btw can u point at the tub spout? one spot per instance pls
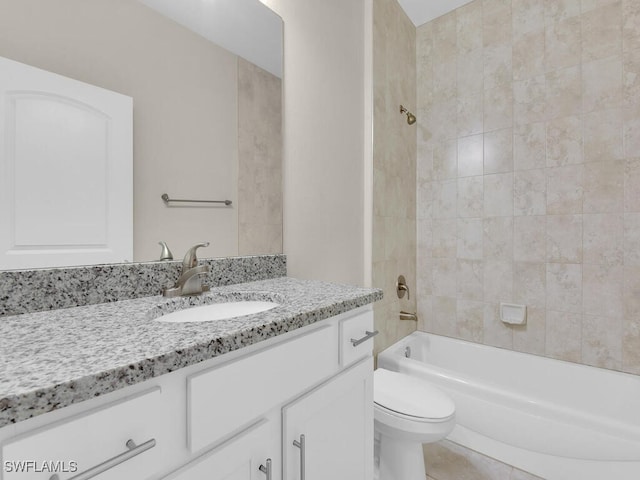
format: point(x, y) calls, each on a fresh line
point(408, 316)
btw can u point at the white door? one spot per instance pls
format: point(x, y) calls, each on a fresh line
point(66, 176)
point(336, 420)
point(240, 458)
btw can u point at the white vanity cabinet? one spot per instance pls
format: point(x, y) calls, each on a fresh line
point(328, 433)
point(234, 417)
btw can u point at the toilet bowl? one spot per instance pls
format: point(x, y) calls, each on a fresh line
point(407, 413)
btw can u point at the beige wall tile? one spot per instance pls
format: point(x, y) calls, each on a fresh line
point(603, 290)
point(530, 239)
point(498, 108)
point(496, 333)
point(529, 146)
point(563, 92)
point(603, 239)
point(498, 151)
point(603, 135)
point(564, 189)
point(630, 25)
point(444, 199)
point(564, 141)
point(529, 100)
point(602, 32)
point(528, 16)
point(498, 70)
point(470, 151)
point(444, 238)
point(470, 320)
point(470, 114)
point(497, 22)
point(602, 342)
point(528, 54)
point(445, 160)
point(564, 288)
point(529, 284)
point(563, 43)
point(469, 27)
point(564, 238)
point(604, 187)
point(470, 72)
point(444, 277)
point(444, 37)
point(530, 192)
point(498, 281)
point(632, 185)
point(631, 119)
point(556, 10)
point(498, 238)
point(602, 84)
point(531, 337)
point(631, 77)
point(563, 339)
point(498, 195)
point(444, 316)
point(631, 321)
point(470, 196)
point(470, 278)
point(470, 239)
point(632, 239)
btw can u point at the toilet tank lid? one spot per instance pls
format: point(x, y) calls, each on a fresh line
point(411, 396)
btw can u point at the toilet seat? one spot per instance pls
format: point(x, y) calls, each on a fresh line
point(406, 397)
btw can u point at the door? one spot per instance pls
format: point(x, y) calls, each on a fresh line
point(336, 420)
point(66, 176)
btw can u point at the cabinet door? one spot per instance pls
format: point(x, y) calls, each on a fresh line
point(336, 420)
point(240, 458)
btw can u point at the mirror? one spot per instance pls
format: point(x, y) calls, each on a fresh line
point(206, 122)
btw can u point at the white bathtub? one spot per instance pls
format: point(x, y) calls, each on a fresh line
point(555, 419)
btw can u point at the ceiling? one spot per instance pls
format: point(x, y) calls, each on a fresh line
point(421, 11)
point(244, 27)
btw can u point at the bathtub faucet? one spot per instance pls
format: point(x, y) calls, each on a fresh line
point(401, 287)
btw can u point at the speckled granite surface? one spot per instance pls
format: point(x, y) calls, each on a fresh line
point(49, 360)
point(26, 291)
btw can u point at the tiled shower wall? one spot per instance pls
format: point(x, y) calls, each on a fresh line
point(394, 162)
point(529, 176)
point(259, 160)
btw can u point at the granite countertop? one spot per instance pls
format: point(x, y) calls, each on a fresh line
point(49, 360)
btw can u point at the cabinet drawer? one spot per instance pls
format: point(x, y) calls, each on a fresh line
point(220, 400)
point(356, 328)
point(75, 445)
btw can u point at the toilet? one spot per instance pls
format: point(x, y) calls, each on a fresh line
point(407, 413)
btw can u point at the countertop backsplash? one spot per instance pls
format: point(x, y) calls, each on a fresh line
point(28, 291)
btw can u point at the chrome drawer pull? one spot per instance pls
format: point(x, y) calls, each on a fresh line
point(133, 451)
point(266, 470)
point(365, 338)
point(301, 446)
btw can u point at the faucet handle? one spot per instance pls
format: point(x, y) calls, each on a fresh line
point(190, 258)
point(166, 253)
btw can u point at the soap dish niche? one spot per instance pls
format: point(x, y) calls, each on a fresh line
point(513, 314)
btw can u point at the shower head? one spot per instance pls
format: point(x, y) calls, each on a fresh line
point(411, 118)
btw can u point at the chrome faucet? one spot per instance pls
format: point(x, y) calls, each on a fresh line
point(190, 281)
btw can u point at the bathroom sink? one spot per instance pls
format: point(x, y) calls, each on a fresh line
point(218, 311)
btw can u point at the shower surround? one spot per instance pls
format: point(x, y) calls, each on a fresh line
point(529, 177)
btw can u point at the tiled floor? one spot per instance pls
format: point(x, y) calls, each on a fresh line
point(448, 461)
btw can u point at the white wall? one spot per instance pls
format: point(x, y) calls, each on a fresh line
point(325, 83)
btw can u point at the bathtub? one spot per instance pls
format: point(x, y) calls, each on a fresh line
point(555, 419)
